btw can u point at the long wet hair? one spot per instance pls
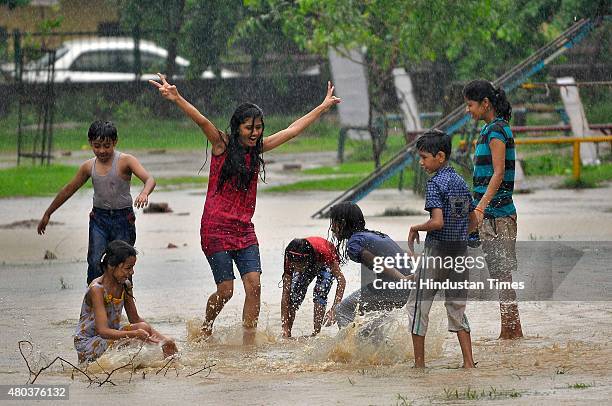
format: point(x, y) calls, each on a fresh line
point(298, 251)
point(348, 220)
point(117, 252)
point(478, 90)
point(235, 170)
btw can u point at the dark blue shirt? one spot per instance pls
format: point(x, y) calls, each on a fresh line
point(448, 191)
point(379, 244)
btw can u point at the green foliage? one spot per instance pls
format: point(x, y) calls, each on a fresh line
point(157, 20)
point(208, 27)
point(126, 111)
point(477, 37)
point(470, 37)
point(260, 33)
point(394, 32)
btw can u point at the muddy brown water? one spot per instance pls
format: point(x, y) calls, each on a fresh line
point(566, 343)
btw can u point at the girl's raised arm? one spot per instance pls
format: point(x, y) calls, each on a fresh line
point(211, 132)
point(302, 123)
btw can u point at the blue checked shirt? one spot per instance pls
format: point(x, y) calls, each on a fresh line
point(448, 191)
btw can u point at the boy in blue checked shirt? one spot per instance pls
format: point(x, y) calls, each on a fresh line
point(449, 203)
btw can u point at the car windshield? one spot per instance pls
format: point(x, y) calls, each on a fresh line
point(45, 60)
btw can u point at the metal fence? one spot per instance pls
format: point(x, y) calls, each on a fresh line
point(52, 78)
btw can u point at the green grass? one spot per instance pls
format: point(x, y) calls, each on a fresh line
point(48, 180)
point(346, 175)
point(357, 151)
point(342, 183)
point(579, 386)
point(590, 176)
point(475, 394)
point(172, 134)
point(547, 165)
point(138, 134)
point(35, 180)
point(342, 169)
point(180, 180)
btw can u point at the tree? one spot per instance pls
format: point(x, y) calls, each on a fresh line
point(474, 37)
point(163, 18)
point(394, 33)
point(208, 28)
point(260, 33)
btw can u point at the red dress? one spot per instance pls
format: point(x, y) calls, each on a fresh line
point(226, 221)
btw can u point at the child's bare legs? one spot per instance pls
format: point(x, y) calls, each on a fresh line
point(252, 303)
point(215, 304)
point(418, 343)
point(317, 318)
point(465, 342)
point(498, 238)
point(509, 311)
point(510, 321)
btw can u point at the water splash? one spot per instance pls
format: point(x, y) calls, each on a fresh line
point(225, 335)
point(125, 351)
point(377, 338)
point(372, 340)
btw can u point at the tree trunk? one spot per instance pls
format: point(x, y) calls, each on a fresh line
point(174, 22)
point(377, 120)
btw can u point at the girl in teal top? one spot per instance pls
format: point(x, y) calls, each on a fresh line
point(494, 161)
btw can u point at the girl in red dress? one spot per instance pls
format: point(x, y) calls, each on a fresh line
point(227, 232)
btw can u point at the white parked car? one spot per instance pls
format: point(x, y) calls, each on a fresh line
point(106, 59)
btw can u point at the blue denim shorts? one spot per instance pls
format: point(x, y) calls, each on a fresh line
point(247, 260)
point(301, 280)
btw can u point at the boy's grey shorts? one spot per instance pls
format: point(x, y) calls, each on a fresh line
point(421, 299)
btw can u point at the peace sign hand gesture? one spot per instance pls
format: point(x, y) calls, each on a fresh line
point(330, 99)
point(167, 90)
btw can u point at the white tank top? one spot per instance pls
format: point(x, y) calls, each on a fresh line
point(111, 191)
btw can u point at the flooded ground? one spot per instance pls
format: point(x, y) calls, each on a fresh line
point(565, 357)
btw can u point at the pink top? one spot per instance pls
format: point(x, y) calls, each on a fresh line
point(226, 221)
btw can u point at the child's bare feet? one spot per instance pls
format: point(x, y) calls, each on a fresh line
point(205, 331)
point(169, 348)
point(510, 334)
point(510, 322)
point(248, 336)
